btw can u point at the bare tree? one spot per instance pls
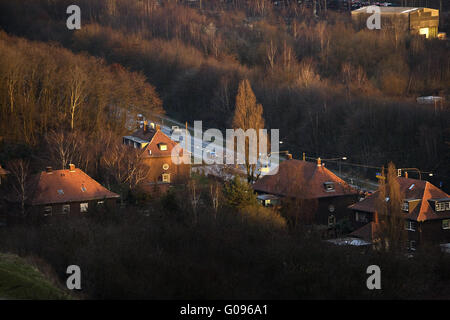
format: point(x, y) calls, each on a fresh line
point(20, 171)
point(77, 91)
point(63, 147)
point(214, 193)
point(271, 52)
point(194, 198)
point(288, 56)
point(392, 228)
point(307, 74)
point(126, 166)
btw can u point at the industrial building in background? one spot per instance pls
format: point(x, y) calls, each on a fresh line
point(418, 20)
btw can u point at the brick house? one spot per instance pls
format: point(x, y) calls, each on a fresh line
point(67, 192)
point(425, 209)
point(322, 192)
point(157, 153)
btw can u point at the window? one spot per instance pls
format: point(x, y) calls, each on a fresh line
point(329, 186)
point(446, 224)
point(405, 206)
point(100, 203)
point(60, 191)
point(424, 32)
point(165, 166)
point(331, 220)
point(162, 146)
point(442, 206)
point(47, 211)
point(84, 207)
point(65, 209)
point(149, 152)
point(361, 217)
point(166, 177)
point(412, 245)
point(83, 188)
point(410, 225)
point(331, 208)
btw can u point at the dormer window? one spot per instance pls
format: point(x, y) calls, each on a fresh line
point(440, 205)
point(60, 191)
point(162, 146)
point(329, 186)
point(408, 205)
point(443, 206)
point(83, 188)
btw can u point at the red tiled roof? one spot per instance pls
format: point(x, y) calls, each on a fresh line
point(160, 138)
point(3, 171)
point(411, 189)
point(63, 186)
point(302, 179)
point(369, 232)
point(154, 137)
point(147, 136)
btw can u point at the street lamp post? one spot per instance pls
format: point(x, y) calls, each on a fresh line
point(416, 169)
point(332, 159)
point(338, 160)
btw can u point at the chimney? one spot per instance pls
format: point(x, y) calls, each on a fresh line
point(71, 167)
point(145, 126)
point(406, 174)
point(49, 170)
point(319, 162)
point(289, 156)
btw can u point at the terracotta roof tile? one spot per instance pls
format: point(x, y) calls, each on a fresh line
point(302, 179)
point(411, 189)
point(3, 171)
point(147, 136)
point(369, 232)
point(63, 186)
point(154, 137)
point(159, 138)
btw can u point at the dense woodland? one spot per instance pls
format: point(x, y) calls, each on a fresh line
point(235, 250)
point(330, 88)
